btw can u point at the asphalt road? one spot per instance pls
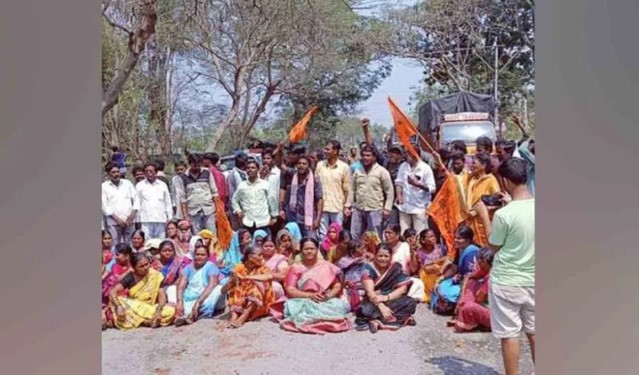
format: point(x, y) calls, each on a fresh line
point(206, 347)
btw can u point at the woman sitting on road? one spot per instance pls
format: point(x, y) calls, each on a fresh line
point(146, 303)
point(471, 312)
point(330, 242)
point(370, 240)
point(258, 237)
point(184, 237)
point(353, 265)
point(171, 266)
point(448, 288)
point(211, 241)
point(107, 253)
point(387, 305)
point(233, 255)
point(138, 240)
point(314, 289)
point(198, 292)
point(402, 254)
point(286, 244)
point(120, 268)
point(431, 256)
point(249, 288)
point(277, 265)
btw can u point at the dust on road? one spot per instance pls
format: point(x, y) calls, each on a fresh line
point(263, 348)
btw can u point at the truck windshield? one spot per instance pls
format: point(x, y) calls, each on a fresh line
point(467, 131)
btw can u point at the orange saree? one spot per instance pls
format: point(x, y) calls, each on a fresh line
point(475, 188)
point(250, 291)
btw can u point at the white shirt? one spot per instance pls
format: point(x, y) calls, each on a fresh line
point(155, 202)
point(255, 201)
point(416, 200)
point(119, 200)
point(273, 180)
point(401, 255)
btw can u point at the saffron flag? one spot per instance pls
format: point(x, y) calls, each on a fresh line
point(298, 132)
point(447, 211)
point(224, 229)
point(404, 127)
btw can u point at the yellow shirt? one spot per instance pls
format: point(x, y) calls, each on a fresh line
point(336, 182)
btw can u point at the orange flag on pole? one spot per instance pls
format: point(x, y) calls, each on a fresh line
point(447, 211)
point(404, 127)
point(298, 132)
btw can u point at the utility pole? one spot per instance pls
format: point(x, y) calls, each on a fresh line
point(496, 89)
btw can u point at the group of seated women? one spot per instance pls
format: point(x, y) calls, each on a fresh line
point(308, 286)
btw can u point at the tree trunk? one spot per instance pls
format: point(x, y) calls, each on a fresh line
point(137, 42)
point(219, 132)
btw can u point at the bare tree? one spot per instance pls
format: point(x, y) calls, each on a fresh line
point(144, 23)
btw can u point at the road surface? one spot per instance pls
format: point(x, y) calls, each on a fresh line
point(206, 347)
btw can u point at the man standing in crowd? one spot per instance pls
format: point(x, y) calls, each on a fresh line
point(458, 163)
point(235, 176)
point(180, 168)
point(504, 150)
point(392, 163)
point(252, 203)
point(211, 162)
point(159, 163)
point(302, 201)
point(119, 205)
point(527, 152)
point(371, 196)
point(196, 192)
point(335, 176)
point(485, 146)
point(119, 158)
point(511, 235)
point(270, 173)
point(415, 184)
point(138, 173)
point(288, 168)
point(155, 203)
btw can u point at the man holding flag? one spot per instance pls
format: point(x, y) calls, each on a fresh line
point(415, 184)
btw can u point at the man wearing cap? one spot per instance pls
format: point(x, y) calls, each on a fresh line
point(414, 184)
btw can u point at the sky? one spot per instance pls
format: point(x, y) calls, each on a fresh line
point(405, 75)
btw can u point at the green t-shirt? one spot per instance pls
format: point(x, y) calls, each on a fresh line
point(514, 230)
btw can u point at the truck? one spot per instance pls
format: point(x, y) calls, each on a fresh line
point(463, 116)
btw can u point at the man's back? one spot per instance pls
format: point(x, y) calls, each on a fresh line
point(514, 230)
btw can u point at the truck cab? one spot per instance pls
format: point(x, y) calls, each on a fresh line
point(467, 127)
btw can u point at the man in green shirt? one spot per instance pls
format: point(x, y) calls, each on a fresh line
point(511, 235)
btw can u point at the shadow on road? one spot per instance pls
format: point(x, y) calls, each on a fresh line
point(454, 366)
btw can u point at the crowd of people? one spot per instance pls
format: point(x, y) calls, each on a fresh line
point(324, 241)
